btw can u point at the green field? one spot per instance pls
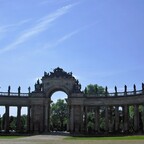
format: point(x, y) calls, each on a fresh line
point(55, 139)
point(106, 138)
point(88, 138)
point(10, 137)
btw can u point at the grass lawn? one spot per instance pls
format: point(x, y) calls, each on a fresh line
point(10, 137)
point(106, 138)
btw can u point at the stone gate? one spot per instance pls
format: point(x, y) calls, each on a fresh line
point(112, 108)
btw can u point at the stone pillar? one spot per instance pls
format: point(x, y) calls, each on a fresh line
point(116, 118)
point(71, 119)
point(77, 118)
point(68, 119)
point(0, 123)
point(7, 119)
point(136, 118)
point(18, 123)
point(37, 118)
point(126, 118)
point(106, 119)
point(122, 119)
point(82, 121)
point(85, 118)
point(48, 113)
point(46, 117)
point(97, 126)
point(143, 117)
point(110, 119)
point(28, 119)
point(32, 118)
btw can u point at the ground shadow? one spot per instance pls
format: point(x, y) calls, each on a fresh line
point(58, 133)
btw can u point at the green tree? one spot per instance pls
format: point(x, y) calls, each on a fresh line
point(23, 122)
point(12, 121)
point(131, 117)
point(59, 115)
point(94, 89)
point(90, 119)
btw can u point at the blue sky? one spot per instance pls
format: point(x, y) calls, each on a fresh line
point(100, 41)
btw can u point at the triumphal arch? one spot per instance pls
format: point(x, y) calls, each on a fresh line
point(110, 112)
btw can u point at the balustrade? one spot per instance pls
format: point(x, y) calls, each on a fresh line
point(14, 94)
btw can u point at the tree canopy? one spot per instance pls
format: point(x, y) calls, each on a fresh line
point(59, 115)
point(94, 89)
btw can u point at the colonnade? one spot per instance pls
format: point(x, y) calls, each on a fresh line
point(107, 119)
point(5, 120)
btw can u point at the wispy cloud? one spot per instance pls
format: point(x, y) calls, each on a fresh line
point(67, 36)
point(60, 40)
point(41, 25)
point(10, 27)
point(54, 1)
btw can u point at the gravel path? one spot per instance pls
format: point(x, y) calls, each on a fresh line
point(55, 139)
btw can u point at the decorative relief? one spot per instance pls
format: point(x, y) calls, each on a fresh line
point(58, 72)
point(71, 82)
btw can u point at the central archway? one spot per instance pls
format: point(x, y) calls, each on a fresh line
point(59, 80)
point(58, 112)
point(58, 95)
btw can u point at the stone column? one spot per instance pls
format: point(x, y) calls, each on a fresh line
point(116, 118)
point(71, 119)
point(106, 119)
point(97, 127)
point(110, 119)
point(47, 115)
point(77, 118)
point(28, 118)
point(122, 119)
point(32, 118)
point(68, 119)
point(18, 123)
point(85, 118)
point(136, 118)
point(0, 123)
point(126, 118)
point(82, 122)
point(142, 116)
point(7, 119)
point(46, 118)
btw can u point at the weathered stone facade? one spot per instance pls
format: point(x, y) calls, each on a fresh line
point(115, 106)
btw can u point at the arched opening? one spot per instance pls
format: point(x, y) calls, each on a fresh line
point(58, 95)
point(58, 112)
